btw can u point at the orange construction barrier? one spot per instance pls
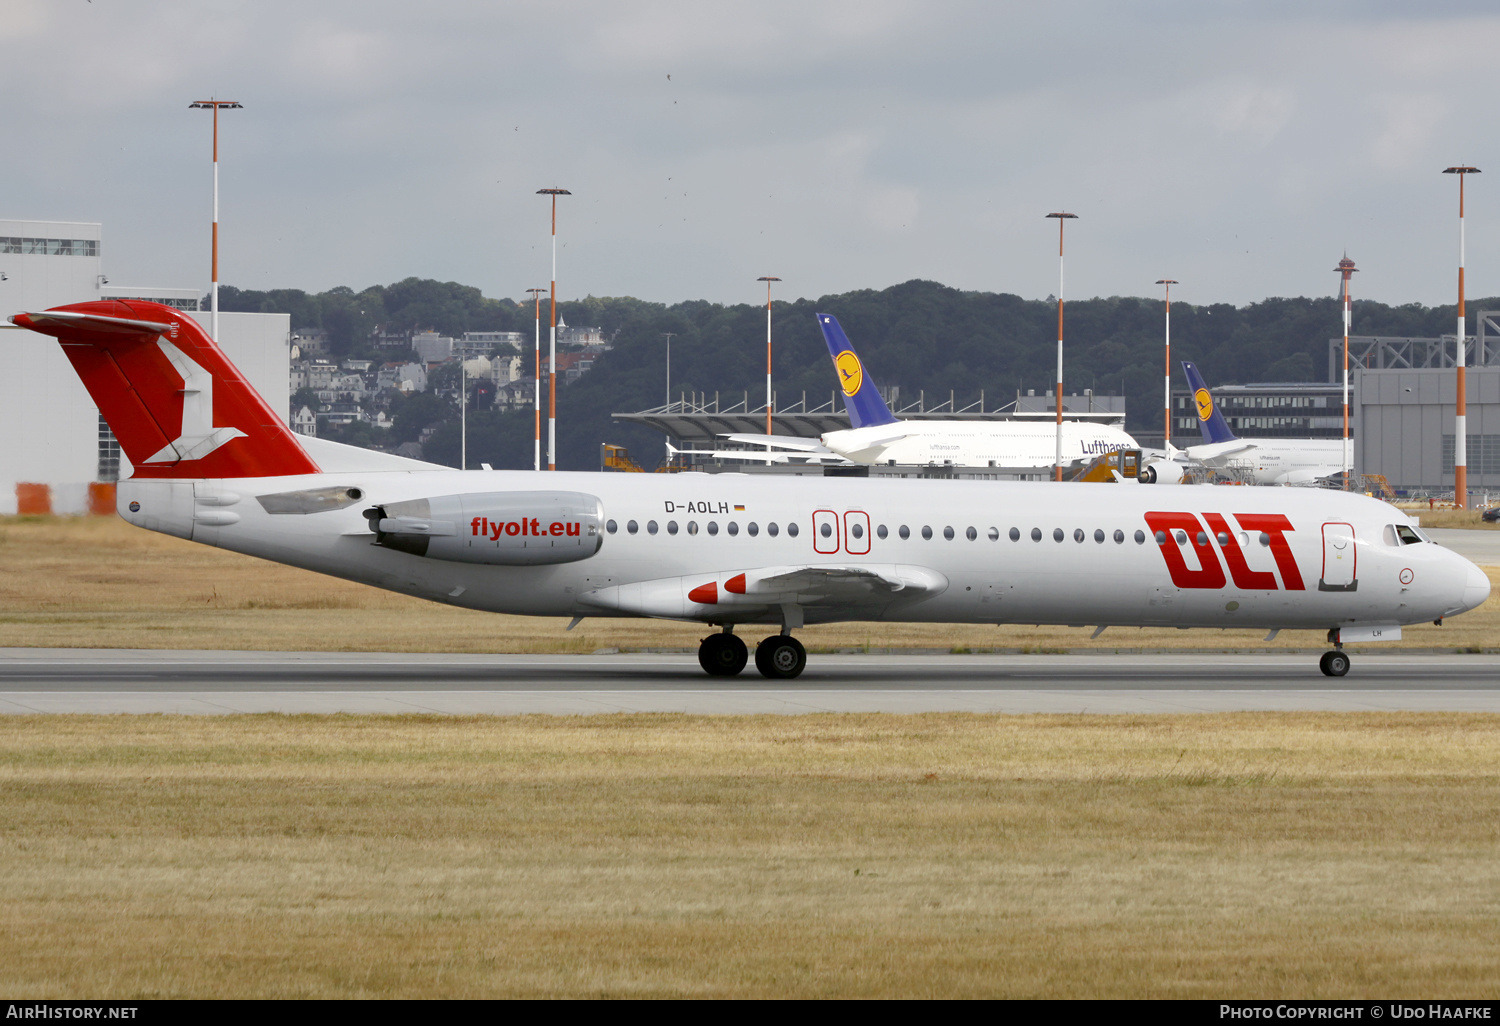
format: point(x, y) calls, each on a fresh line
point(33, 500)
point(101, 498)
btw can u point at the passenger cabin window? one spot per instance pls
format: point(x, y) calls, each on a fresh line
point(692, 527)
point(791, 529)
point(671, 527)
point(772, 529)
point(611, 527)
point(651, 527)
point(905, 532)
point(713, 527)
point(632, 527)
point(752, 528)
point(926, 533)
point(881, 532)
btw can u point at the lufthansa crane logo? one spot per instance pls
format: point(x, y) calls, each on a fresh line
point(851, 374)
point(1205, 403)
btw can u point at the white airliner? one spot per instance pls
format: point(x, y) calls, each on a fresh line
point(214, 464)
point(876, 436)
point(1265, 461)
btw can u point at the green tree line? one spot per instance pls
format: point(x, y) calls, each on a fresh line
point(919, 335)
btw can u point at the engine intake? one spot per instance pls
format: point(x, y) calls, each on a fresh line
point(500, 528)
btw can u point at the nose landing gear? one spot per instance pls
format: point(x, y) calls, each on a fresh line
point(722, 655)
point(780, 657)
point(1334, 664)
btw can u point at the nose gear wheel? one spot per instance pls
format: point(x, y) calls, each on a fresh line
point(1334, 664)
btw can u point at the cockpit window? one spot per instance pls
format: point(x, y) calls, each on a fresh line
point(1408, 536)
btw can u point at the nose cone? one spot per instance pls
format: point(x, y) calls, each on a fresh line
point(1476, 588)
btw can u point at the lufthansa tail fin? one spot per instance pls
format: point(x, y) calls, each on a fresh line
point(176, 404)
point(861, 397)
point(1210, 421)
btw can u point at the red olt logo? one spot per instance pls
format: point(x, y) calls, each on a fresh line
point(1210, 571)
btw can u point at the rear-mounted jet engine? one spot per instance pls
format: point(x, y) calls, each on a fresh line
point(503, 528)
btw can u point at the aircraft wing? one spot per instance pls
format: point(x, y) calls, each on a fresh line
point(781, 442)
point(751, 456)
point(847, 581)
point(1214, 453)
point(750, 595)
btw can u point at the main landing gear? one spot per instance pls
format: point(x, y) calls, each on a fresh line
point(779, 657)
point(722, 655)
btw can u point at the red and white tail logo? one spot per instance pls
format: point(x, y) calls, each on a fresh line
point(177, 405)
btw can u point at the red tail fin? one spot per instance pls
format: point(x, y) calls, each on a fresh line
point(177, 405)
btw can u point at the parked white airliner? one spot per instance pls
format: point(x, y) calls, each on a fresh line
point(214, 464)
point(876, 436)
point(1266, 461)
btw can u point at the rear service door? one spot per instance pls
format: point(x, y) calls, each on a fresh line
point(1338, 559)
point(826, 531)
point(856, 533)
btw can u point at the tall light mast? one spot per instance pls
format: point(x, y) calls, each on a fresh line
point(536, 392)
point(1167, 395)
point(1461, 406)
point(213, 301)
point(668, 335)
point(552, 343)
point(768, 281)
point(1346, 268)
point(1062, 219)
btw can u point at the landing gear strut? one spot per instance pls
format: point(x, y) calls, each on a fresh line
point(780, 657)
point(722, 655)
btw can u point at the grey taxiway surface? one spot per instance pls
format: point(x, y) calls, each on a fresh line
point(112, 681)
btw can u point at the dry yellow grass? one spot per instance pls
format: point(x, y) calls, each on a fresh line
point(1264, 855)
point(97, 582)
point(1462, 518)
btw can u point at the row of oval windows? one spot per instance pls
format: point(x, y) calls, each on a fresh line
point(858, 531)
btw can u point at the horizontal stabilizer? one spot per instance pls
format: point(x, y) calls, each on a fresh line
point(90, 322)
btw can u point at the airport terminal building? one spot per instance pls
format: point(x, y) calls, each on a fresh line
point(59, 455)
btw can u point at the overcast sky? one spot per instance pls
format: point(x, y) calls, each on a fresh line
point(1237, 147)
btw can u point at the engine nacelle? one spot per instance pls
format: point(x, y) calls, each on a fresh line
point(502, 528)
point(1163, 472)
